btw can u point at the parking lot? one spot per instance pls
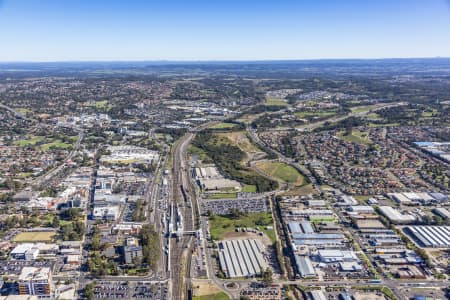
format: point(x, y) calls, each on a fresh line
point(130, 290)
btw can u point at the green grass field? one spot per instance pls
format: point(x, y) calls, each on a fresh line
point(218, 296)
point(384, 125)
point(221, 225)
point(249, 188)
point(281, 171)
point(275, 102)
point(363, 109)
point(223, 126)
point(221, 196)
point(30, 141)
point(38, 236)
point(373, 116)
point(23, 110)
point(359, 137)
point(57, 144)
point(311, 114)
point(45, 143)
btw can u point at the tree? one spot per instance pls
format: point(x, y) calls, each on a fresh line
point(95, 244)
point(150, 245)
point(89, 290)
point(267, 277)
point(235, 213)
point(55, 222)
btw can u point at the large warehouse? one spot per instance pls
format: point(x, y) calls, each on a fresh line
point(242, 258)
point(305, 267)
point(396, 216)
point(431, 236)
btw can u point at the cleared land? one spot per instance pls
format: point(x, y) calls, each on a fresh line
point(304, 190)
point(281, 171)
point(38, 236)
point(240, 139)
point(218, 296)
point(221, 225)
point(364, 109)
point(249, 118)
point(204, 288)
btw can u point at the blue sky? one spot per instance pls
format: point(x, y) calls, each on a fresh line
point(59, 30)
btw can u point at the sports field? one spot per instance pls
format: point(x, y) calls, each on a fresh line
point(38, 236)
point(223, 126)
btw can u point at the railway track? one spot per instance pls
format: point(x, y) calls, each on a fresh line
point(181, 246)
point(183, 196)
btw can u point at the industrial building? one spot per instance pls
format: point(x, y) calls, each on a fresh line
point(207, 172)
point(242, 258)
point(219, 184)
point(368, 224)
point(318, 239)
point(361, 209)
point(396, 216)
point(317, 295)
point(317, 203)
point(438, 149)
point(302, 227)
point(442, 212)
point(412, 198)
point(304, 266)
point(431, 236)
point(335, 255)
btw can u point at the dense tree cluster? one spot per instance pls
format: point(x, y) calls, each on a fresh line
point(228, 159)
point(150, 245)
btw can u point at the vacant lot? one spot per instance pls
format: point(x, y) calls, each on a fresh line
point(221, 225)
point(218, 296)
point(282, 172)
point(360, 137)
point(304, 190)
point(38, 236)
point(204, 288)
point(240, 139)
